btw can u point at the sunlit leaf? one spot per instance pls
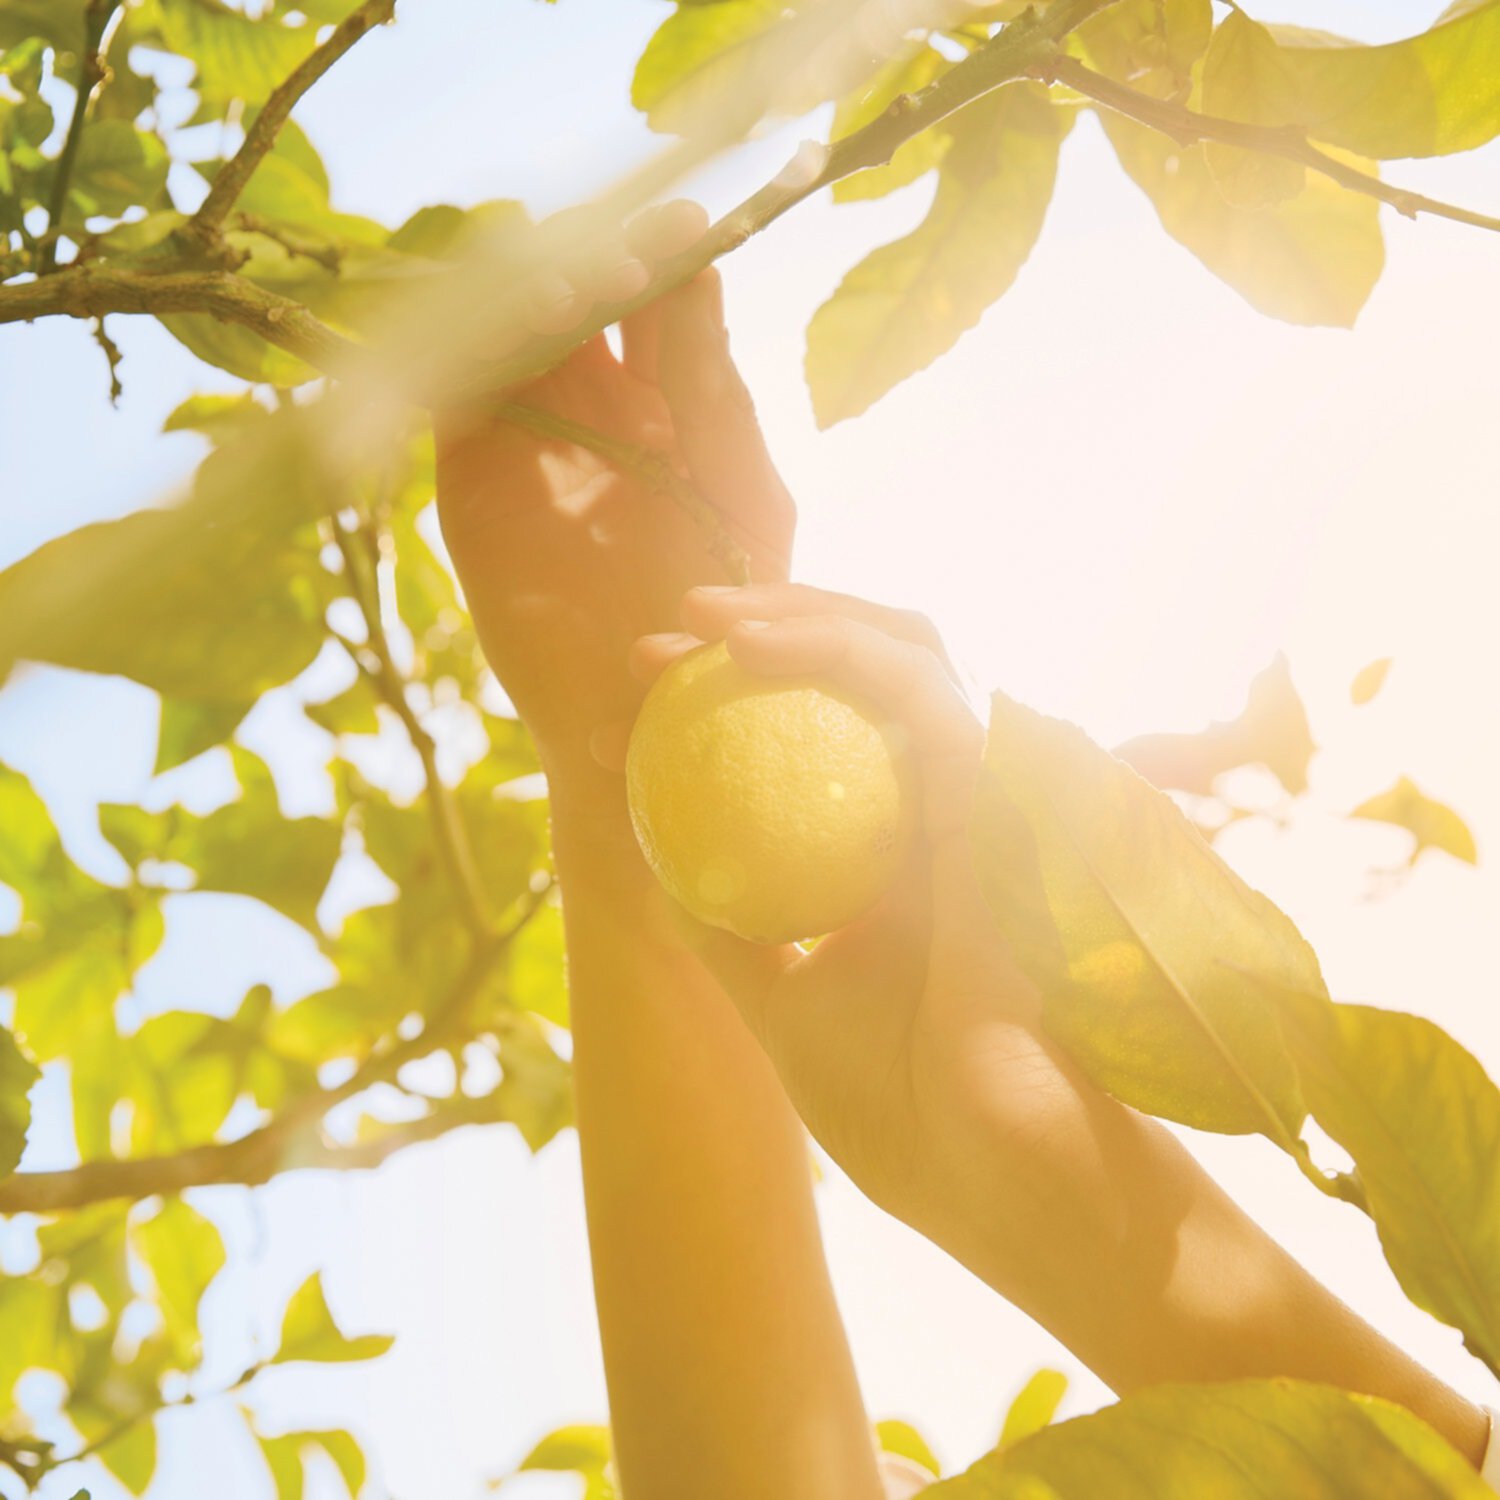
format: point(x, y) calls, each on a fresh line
point(117, 166)
point(1271, 731)
point(904, 1440)
point(1150, 44)
point(914, 157)
point(1127, 921)
point(283, 1457)
point(1240, 1440)
point(697, 56)
point(1244, 79)
point(213, 415)
point(909, 301)
point(228, 346)
point(1432, 824)
point(17, 1074)
point(1312, 259)
point(349, 712)
point(184, 1252)
point(236, 57)
point(1034, 1407)
point(1421, 1119)
point(309, 1333)
point(1369, 680)
point(188, 728)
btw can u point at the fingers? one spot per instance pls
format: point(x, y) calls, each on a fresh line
point(711, 612)
point(714, 419)
point(651, 655)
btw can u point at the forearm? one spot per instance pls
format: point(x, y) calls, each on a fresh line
point(1097, 1222)
point(728, 1370)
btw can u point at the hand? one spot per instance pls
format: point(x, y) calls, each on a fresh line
point(904, 1035)
point(564, 559)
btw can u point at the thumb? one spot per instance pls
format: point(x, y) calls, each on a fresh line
point(714, 420)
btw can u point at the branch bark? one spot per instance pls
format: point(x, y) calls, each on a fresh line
point(1190, 127)
point(205, 226)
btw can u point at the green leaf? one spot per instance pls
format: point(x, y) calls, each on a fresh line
point(701, 55)
point(188, 729)
point(347, 1455)
point(238, 559)
point(1427, 95)
point(908, 302)
point(1034, 1407)
point(1312, 259)
point(17, 1074)
point(1369, 680)
point(1244, 79)
point(236, 58)
point(1271, 731)
point(1239, 1440)
point(184, 1252)
point(117, 166)
point(904, 1440)
point(309, 1333)
point(349, 712)
point(1127, 922)
point(913, 158)
point(30, 1310)
point(1432, 824)
point(1421, 1120)
point(228, 346)
point(579, 1449)
point(283, 1457)
point(245, 848)
point(214, 416)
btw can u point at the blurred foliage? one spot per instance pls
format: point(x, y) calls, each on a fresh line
point(286, 574)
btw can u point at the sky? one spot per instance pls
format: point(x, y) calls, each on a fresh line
point(1118, 497)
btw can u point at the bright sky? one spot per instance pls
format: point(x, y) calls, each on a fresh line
point(1119, 497)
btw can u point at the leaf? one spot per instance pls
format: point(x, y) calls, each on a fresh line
point(347, 1455)
point(214, 415)
point(17, 1074)
point(1311, 260)
point(239, 559)
point(1238, 1440)
point(1127, 921)
point(904, 1440)
point(1427, 95)
point(245, 848)
point(701, 55)
point(349, 712)
point(1369, 680)
point(184, 1252)
point(227, 346)
point(1421, 1119)
point(117, 166)
point(1244, 79)
point(236, 58)
point(914, 157)
point(909, 301)
point(308, 1331)
point(1034, 1407)
point(188, 729)
point(1432, 824)
point(1271, 731)
point(283, 1457)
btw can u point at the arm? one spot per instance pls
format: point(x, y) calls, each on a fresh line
point(728, 1371)
point(961, 1117)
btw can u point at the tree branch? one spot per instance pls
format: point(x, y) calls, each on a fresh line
point(289, 1141)
point(91, 291)
point(1189, 127)
point(204, 227)
point(449, 834)
point(91, 71)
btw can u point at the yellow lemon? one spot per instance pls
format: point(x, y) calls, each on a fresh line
point(778, 808)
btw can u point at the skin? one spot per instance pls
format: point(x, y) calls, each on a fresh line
point(699, 1057)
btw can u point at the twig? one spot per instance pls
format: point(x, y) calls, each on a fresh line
point(91, 72)
point(1290, 142)
point(327, 256)
point(653, 470)
point(93, 290)
point(282, 1143)
point(112, 355)
point(448, 831)
point(229, 182)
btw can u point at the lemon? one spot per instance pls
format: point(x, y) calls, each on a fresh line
point(779, 809)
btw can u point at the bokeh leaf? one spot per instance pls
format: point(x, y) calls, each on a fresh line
point(901, 1438)
point(909, 301)
point(309, 1333)
point(1369, 680)
point(1239, 1440)
point(189, 728)
point(184, 1252)
point(1421, 1119)
point(17, 1074)
point(1035, 1406)
point(1432, 824)
point(1126, 921)
point(697, 56)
